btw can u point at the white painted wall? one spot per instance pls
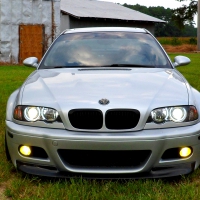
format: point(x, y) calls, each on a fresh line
point(64, 22)
point(16, 12)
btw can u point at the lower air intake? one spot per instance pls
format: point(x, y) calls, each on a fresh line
point(105, 159)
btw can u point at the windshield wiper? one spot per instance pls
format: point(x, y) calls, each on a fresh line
point(60, 66)
point(131, 65)
point(74, 66)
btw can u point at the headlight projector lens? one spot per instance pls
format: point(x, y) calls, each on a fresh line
point(32, 114)
point(178, 114)
point(159, 115)
point(49, 114)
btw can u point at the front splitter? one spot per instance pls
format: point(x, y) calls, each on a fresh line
point(161, 172)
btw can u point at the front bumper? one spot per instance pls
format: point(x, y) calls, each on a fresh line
point(155, 140)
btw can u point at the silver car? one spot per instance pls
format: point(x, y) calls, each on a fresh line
point(104, 103)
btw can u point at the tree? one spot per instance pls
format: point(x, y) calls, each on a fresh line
point(185, 14)
point(168, 29)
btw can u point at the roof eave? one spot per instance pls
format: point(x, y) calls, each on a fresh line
point(62, 11)
point(79, 17)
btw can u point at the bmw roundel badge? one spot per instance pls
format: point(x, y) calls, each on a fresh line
point(104, 101)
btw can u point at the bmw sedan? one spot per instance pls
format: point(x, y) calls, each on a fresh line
point(104, 103)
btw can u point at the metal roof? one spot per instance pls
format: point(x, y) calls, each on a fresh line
point(110, 29)
point(102, 9)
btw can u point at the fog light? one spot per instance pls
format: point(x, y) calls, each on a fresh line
point(185, 152)
point(25, 150)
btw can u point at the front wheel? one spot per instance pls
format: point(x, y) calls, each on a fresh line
point(6, 150)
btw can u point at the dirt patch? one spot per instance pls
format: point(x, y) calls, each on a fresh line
point(2, 196)
point(186, 48)
point(7, 64)
point(2, 190)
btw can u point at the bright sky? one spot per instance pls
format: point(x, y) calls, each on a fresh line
point(165, 3)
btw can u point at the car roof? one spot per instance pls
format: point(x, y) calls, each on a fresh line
point(97, 29)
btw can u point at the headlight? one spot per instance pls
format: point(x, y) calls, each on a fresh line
point(33, 113)
point(178, 114)
point(159, 115)
point(49, 114)
point(175, 114)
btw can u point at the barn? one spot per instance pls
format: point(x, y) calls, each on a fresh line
point(28, 27)
point(91, 13)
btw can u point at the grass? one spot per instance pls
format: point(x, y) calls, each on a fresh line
point(96, 190)
point(16, 185)
point(191, 71)
point(177, 40)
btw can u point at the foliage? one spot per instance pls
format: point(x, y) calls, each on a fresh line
point(177, 40)
point(193, 41)
point(168, 29)
point(185, 14)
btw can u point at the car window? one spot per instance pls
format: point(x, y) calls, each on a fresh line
point(98, 49)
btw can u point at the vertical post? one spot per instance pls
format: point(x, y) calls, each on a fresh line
point(53, 21)
point(198, 27)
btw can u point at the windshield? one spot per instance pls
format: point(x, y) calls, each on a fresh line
point(105, 49)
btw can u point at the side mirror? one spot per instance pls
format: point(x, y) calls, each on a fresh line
point(181, 61)
point(31, 62)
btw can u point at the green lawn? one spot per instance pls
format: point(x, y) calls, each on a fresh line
point(191, 71)
point(16, 185)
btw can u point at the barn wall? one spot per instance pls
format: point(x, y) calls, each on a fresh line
point(64, 22)
point(16, 12)
point(72, 22)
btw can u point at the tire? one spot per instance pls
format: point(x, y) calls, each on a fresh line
point(6, 150)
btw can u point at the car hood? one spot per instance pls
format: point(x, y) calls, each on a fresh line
point(138, 88)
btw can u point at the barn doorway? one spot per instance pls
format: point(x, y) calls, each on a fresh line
point(31, 41)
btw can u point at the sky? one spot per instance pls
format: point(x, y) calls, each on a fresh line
point(165, 3)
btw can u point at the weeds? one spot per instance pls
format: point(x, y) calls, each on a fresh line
point(175, 41)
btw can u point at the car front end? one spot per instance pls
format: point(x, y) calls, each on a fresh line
point(108, 120)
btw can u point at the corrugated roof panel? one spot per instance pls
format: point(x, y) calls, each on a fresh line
point(101, 9)
point(97, 29)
